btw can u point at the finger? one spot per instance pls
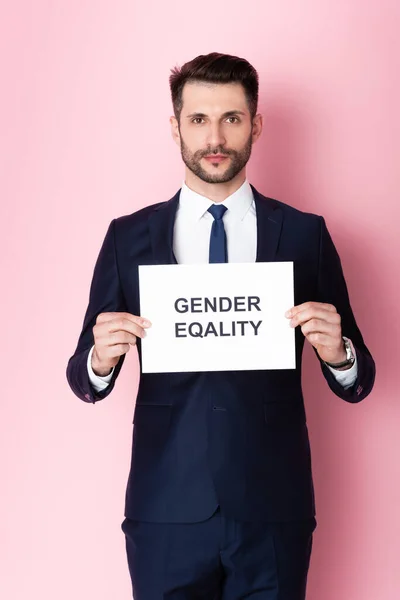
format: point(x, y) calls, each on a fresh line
point(320, 326)
point(109, 330)
point(321, 339)
point(110, 316)
point(126, 325)
point(121, 337)
point(116, 350)
point(315, 313)
point(142, 321)
point(310, 305)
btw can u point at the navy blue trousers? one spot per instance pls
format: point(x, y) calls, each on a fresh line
point(218, 559)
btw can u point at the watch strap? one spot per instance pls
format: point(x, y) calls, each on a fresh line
point(350, 356)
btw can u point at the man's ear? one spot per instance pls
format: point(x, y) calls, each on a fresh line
point(175, 130)
point(257, 127)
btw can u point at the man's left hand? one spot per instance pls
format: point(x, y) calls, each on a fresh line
point(321, 325)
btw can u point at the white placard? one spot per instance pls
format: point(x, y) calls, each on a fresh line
point(217, 317)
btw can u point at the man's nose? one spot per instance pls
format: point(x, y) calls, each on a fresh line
point(215, 136)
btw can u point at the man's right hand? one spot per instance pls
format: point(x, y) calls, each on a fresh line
point(114, 334)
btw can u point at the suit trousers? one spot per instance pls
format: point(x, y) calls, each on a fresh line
point(219, 559)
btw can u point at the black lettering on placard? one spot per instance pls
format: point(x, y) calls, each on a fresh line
point(182, 307)
point(195, 303)
point(242, 326)
point(178, 332)
point(196, 329)
point(254, 301)
point(210, 303)
point(210, 329)
point(222, 304)
point(225, 304)
point(223, 332)
point(255, 326)
point(239, 303)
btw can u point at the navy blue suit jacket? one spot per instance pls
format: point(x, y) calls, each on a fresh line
point(236, 438)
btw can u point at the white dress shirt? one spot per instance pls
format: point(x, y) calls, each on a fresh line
point(191, 241)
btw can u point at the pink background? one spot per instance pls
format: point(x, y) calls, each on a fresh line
point(85, 138)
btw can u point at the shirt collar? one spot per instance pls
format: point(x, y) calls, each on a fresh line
point(195, 205)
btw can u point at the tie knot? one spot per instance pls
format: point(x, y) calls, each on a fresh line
point(217, 211)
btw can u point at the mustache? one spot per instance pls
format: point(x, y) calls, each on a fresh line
point(202, 153)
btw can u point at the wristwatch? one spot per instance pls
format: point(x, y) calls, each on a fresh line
point(350, 358)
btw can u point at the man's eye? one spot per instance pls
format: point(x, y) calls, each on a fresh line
point(233, 118)
point(197, 119)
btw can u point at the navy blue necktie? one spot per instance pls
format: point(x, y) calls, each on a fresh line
point(218, 250)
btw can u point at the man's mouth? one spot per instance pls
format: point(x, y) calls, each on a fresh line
point(216, 157)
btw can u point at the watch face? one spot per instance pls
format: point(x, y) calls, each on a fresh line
point(349, 351)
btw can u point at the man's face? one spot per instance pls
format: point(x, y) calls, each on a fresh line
point(215, 120)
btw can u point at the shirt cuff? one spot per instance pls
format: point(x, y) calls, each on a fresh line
point(348, 377)
point(98, 382)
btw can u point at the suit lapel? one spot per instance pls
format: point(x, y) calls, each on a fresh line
point(269, 228)
point(161, 227)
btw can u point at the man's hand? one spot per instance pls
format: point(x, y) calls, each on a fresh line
point(114, 334)
point(321, 325)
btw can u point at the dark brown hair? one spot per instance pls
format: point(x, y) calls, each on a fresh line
point(215, 68)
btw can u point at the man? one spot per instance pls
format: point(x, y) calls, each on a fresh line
point(219, 500)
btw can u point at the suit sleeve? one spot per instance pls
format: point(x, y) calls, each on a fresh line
point(99, 382)
point(105, 295)
point(332, 289)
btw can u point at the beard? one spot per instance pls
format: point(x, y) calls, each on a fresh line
point(238, 160)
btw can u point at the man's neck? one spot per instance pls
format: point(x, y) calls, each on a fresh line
point(217, 192)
